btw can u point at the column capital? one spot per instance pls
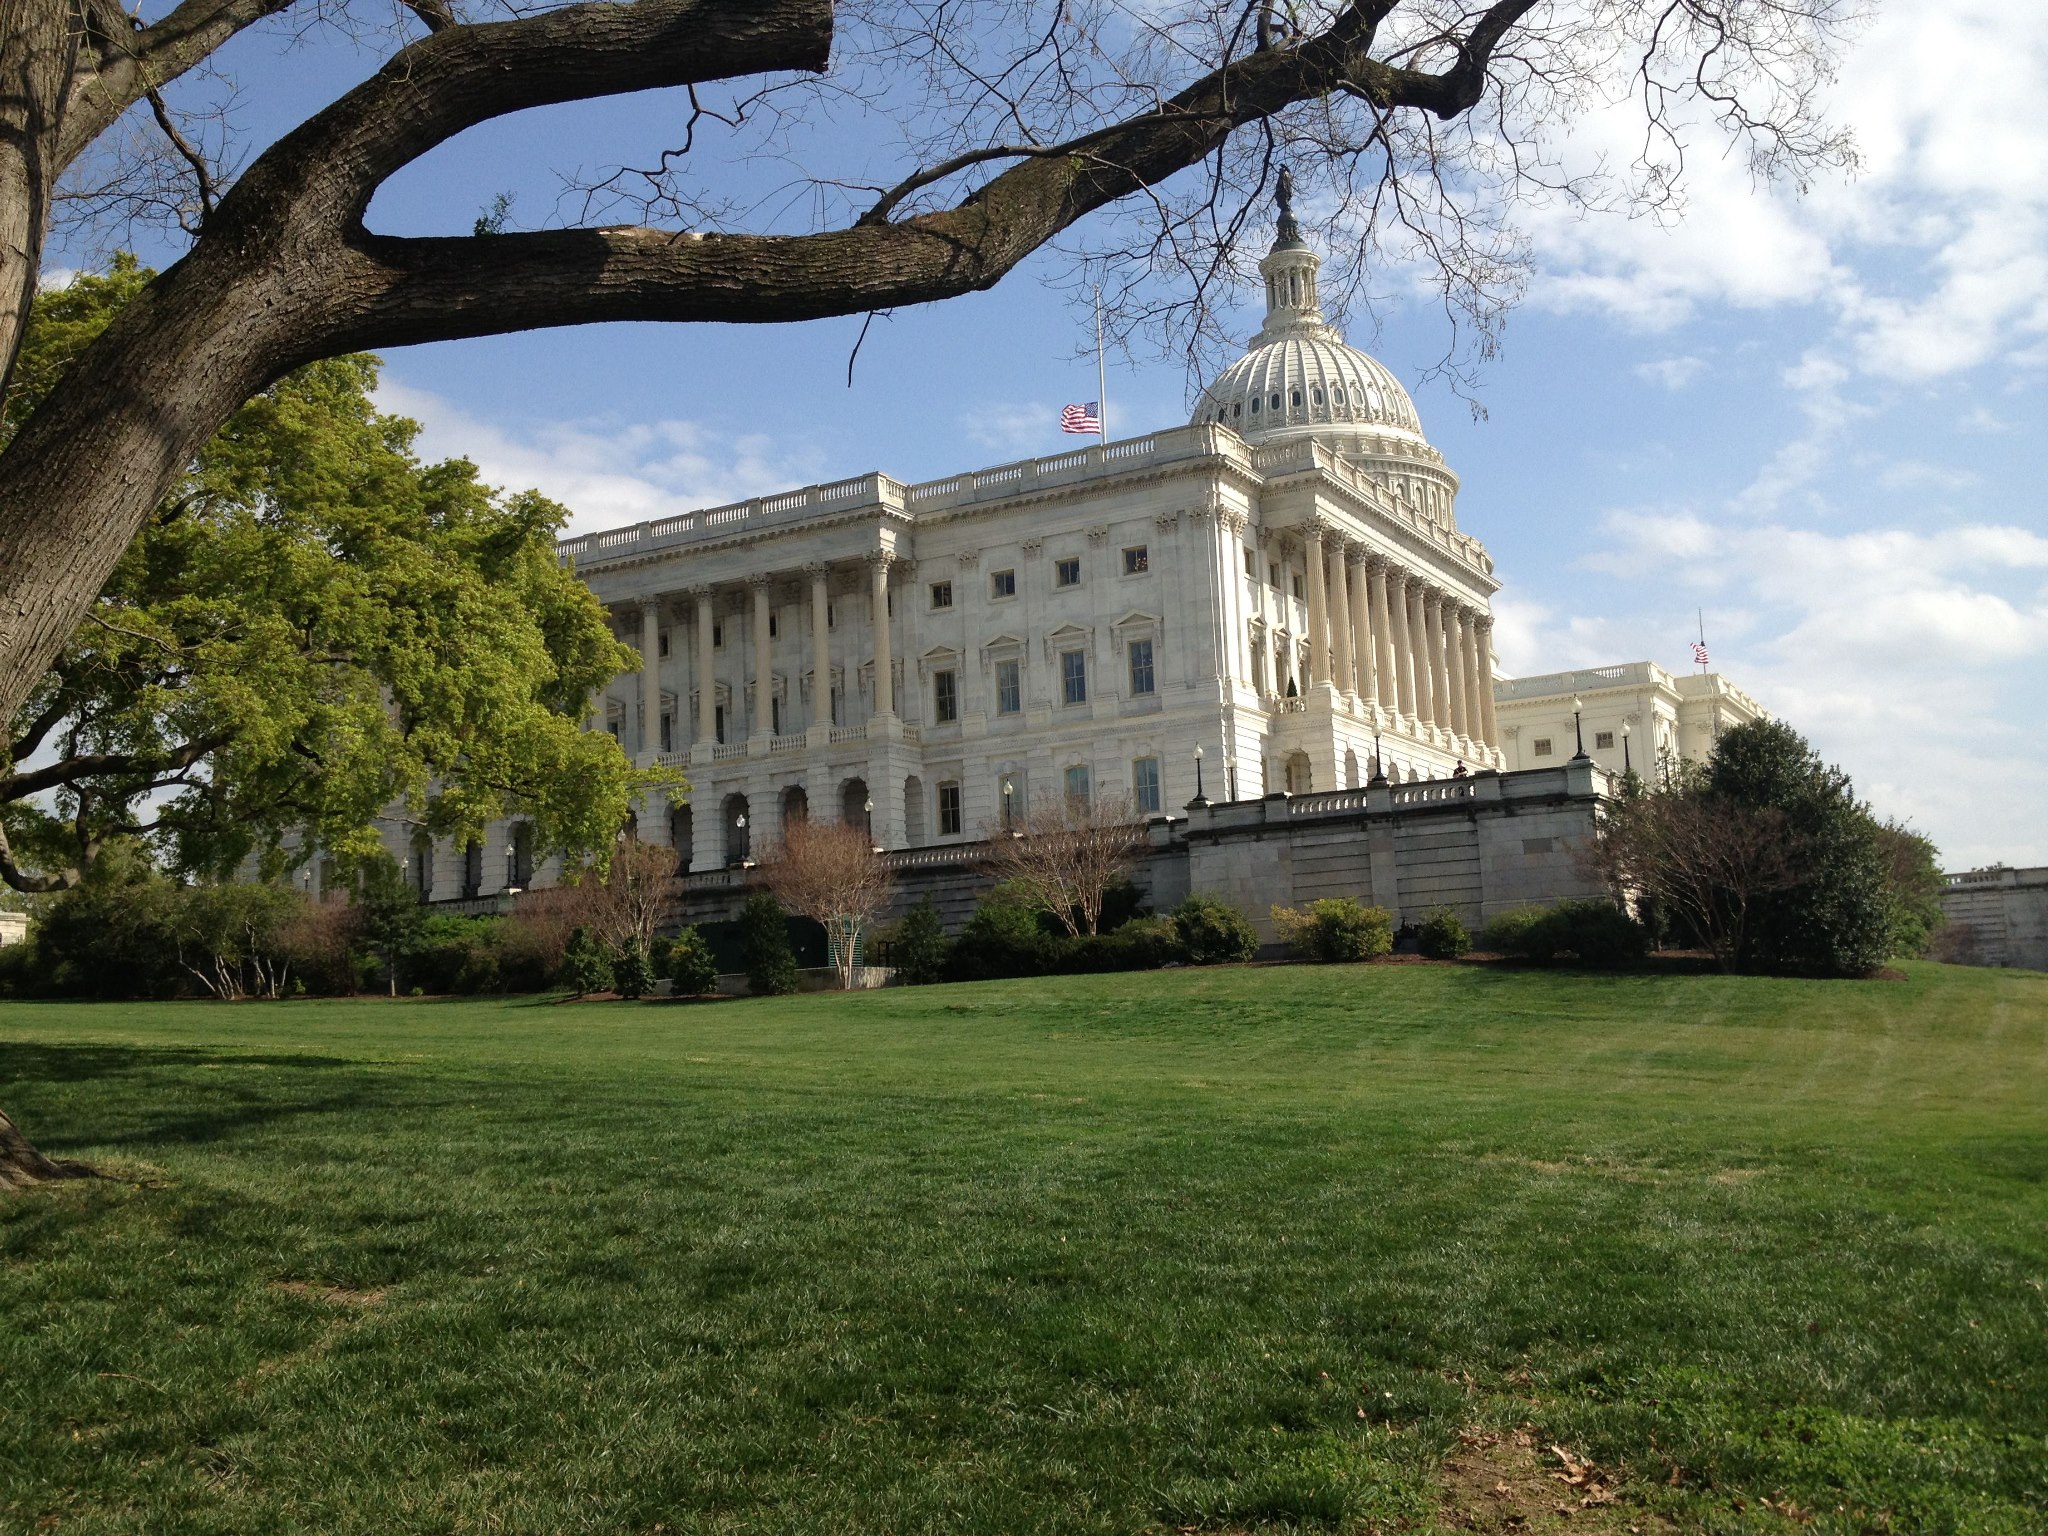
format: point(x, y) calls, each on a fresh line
point(817, 570)
point(1032, 547)
point(701, 592)
point(880, 560)
point(760, 582)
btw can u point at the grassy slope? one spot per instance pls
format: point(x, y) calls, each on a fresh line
point(1095, 1254)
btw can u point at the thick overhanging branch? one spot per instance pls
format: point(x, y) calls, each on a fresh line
point(96, 765)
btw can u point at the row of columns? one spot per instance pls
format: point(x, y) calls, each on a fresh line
point(763, 647)
point(1389, 637)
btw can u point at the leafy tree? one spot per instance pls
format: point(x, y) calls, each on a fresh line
point(1836, 916)
point(314, 626)
point(388, 912)
point(1914, 885)
point(632, 975)
point(765, 954)
point(230, 937)
point(687, 961)
point(586, 968)
point(921, 949)
point(1213, 932)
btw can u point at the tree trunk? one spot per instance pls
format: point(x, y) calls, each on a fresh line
point(38, 48)
point(22, 1165)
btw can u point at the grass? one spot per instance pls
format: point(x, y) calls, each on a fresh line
point(1202, 1250)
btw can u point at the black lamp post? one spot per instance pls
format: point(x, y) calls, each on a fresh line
point(511, 865)
point(1009, 788)
point(1578, 728)
point(1379, 761)
point(1200, 798)
point(1627, 767)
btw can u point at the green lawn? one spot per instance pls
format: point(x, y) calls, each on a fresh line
point(1211, 1250)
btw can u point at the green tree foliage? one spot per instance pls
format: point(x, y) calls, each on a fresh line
point(764, 945)
point(686, 960)
point(1836, 917)
point(586, 967)
point(1594, 932)
point(388, 911)
point(632, 975)
point(1212, 932)
point(1914, 885)
point(315, 625)
point(1337, 929)
point(921, 949)
point(1443, 935)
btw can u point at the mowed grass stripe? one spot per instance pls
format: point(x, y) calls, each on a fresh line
point(1217, 1249)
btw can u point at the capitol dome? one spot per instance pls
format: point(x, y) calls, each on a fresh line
point(1300, 376)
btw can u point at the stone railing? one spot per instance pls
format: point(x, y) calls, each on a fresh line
point(1434, 790)
point(846, 733)
point(1633, 673)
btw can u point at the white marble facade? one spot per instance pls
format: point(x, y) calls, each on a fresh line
point(1633, 715)
point(1280, 584)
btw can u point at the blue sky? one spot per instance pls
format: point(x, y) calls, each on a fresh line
point(1818, 418)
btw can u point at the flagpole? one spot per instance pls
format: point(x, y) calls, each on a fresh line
point(1701, 615)
point(1101, 378)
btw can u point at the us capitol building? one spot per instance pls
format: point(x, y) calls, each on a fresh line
point(1281, 584)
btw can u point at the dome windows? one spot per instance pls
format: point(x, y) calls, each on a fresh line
point(1316, 396)
point(1276, 399)
point(1337, 395)
point(1297, 399)
point(1255, 405)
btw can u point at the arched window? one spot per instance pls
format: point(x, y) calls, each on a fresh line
point(1297, 399)
point(1337, 395)
point(1276, 399)
point(1255, 405)
point(1316, 395)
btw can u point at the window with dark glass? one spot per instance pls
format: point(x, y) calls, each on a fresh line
point(1542, 746)
point(942, 594)
point(945, 697)
point(1145, 784)
point(949, 810)
point(1074, 677)
point(1009, 694)
point(1002, 584)
point(1137, 560)
point(1603, 738)
point(1067, 572)
point(1077, 783)
point(1141, 667)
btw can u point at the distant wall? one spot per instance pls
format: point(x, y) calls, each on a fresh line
point(1480, 846)
point(1998, 917)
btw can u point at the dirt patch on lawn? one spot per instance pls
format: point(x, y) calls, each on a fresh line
point(1514, 1483)
point(333, 1295)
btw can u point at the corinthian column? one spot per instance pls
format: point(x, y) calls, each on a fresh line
point(1318, 617)
point(1482, 649)
point(1358, 581)
point(885, 662)
point(1386, 688)
point(650, 677)
point(1468, 669)
point(1401, 608)
point(707, 677)
point(821, 645)
point(1454, 667)
point(764, 660)
point(1433, 657)
point(1340, 621)
point(1418, 642)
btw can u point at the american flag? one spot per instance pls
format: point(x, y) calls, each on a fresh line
point(1699, 652)
point(1082, 418)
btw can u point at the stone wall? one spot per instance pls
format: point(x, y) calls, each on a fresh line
point(1480, 845)
point(2002, 915)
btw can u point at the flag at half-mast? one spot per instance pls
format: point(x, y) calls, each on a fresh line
point(1082, 418)
point(1699, 652)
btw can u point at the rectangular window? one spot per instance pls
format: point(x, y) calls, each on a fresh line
point(668, 733)
point(662, 648)
point(1145, 784)
point(613, 727)
point(945, 697)
point(775, 716)
point(1273, 576)
point(1002, 584)
point(1603, 739)
point(1542, 746)
point(774, 625)
point(1300, 591)
point(831, 616)
point(717, 636)
point(1067, 572)
point(942, 594)
point(1137, 560)
point(949, 810)
point(1141, 667)
point(1009, 693)
point(1251, 564)
point(1074, 677)
point(718, 721)
point(1077, 783)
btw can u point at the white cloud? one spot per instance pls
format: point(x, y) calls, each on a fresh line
point(1672, 373)
point(608, 474)
point(1012, 428)
point(1910, 657)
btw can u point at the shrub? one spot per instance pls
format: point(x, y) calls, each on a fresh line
point(455, 954)
point(586, 968)
point(632, 976)
point(1142, 944)
point(1213, 932)
point(1525, 933)
point(1443, 935)
point(1599, 933)
point(687, 962)
point(1002, 940)
point(1337, 930)
point(766, 957)
point(921, 949)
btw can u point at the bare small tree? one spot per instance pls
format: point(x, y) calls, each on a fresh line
point(832, 874)
point(1067, 852)
point(1701, 857)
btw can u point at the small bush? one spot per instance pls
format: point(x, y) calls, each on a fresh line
point(1213, 932)
point(1443, 935)
point(1525, 933)
point(687, 962)
point(766, 957)
point(1142, 944)
point(921, 949)
point(1594, 932)
point(1004, 940)
point(586, 967)
point(1337, 930)
point(455, 954)
point(632, 975)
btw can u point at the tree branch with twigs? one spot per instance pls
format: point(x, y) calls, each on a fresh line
point(833, 874)
point(1065, 854)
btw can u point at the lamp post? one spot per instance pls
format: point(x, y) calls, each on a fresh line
point(867, 811)
point(1200, 798)
point(1009, 789)
point(1379, 761)
point(1627, 767)
point(1578, 729)
point(511, 866)
point(740, 824)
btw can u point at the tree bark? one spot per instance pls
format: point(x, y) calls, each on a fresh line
point(38, 47)
point(21, 1165)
